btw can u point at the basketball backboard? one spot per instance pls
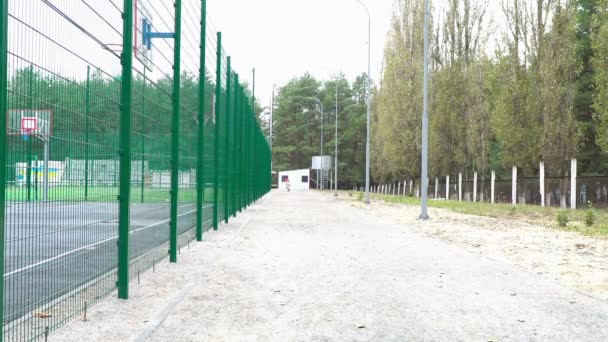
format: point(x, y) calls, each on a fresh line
point(30, 121)
point(143, 22)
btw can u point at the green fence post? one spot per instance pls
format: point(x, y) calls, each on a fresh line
point(228, 148)
point(175, 131)
point(254, 134)
point(87, 108)
point(143, 136)
point(218, 92)
point(28, 171)
point(3, 147)
point(242, 148)
point(200, 182)
point(235, 143)
point(125, 151)
point(250, 157)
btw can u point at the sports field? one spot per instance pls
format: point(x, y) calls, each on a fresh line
point(101, 193)
point(53, 248)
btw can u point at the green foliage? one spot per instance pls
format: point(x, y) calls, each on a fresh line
point(525, 103)
point(563, 218)
point(590, 215)
point(600, 65)
point(360, 196)
point(297, 125)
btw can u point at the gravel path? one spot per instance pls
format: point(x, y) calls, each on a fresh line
point(307, 267)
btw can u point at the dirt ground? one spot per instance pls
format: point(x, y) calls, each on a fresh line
point(309, 267)
point(573, 259)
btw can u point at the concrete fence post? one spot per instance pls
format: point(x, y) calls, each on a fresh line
point(573, 172)
point(459, 186)
point(436, 187)
point(492, 186)
point(475, 186)
point(542, 183)
point(447, 188)
point(514, 186)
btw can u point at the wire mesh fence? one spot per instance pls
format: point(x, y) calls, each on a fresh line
point(126, 134)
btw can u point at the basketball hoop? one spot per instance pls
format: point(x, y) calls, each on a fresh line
point(113, 48)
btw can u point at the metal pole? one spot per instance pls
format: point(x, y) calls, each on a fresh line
point(125, 151)
point(87, 99)
point(425, 117)
point(28, 172)
point(3, 147)
point(320, 183)
point(271, 131)
point(227, 151)
point(200, 189)
point(369, 103)
point(143, 135)
point(45, 193)
point(253, 185)
point(336, 147)
point(175, 131)
point(322, 159)
point(216, 153)
point(235, 143)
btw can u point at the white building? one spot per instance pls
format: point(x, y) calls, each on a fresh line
point(299, 180)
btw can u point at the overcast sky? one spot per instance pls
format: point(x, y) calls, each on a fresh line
point(283, 39)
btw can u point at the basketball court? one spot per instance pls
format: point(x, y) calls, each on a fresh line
point(75, 244)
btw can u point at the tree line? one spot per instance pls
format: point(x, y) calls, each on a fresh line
point(298, 120)
point(513, 82)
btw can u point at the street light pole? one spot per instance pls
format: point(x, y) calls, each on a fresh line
point(369, 97)
point(336, 147)
point(322, 159)
point(271, 121)
point(425, 117)
point(322, 114)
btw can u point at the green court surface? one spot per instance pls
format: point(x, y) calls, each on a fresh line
point(104, 194)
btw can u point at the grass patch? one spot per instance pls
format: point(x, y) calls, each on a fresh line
point(545, 216)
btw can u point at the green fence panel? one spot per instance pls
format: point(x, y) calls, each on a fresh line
point(124, 135)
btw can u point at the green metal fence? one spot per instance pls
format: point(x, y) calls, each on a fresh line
point(126, 134)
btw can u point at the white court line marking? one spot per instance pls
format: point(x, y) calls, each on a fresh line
point(89, 246)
